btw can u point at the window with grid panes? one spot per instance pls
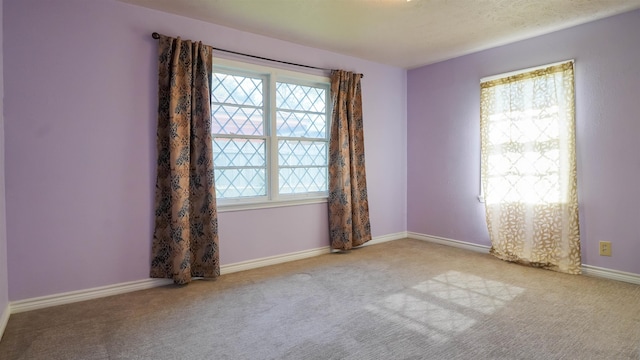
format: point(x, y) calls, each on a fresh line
point(270, 131)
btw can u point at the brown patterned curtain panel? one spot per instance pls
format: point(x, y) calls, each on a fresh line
point(185, 239)
point(349, 224)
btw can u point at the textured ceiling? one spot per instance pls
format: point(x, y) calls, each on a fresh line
point(403, 33)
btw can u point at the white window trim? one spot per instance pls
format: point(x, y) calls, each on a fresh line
point(270, 204)
point(518, 72)
point(504, 75)
point(282, 75)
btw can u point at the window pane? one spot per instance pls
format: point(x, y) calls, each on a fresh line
point(302, 153)
point(301, 113)
point(233, 183)
point(525, 138)
point(234, 89)
point(296, 124)
point(301, 180)
point(238, 152)
point(249, 122)
point(299, 97)
point(234, 120)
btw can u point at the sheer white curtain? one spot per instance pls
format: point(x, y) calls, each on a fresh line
point(529, 168)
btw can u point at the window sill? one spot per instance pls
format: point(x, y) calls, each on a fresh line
point(270, 204)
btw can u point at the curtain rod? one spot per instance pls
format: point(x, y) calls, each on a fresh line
point(156, 36)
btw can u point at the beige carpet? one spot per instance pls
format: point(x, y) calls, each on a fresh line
point(405, 299)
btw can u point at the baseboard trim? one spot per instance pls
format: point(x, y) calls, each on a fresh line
point(279, 259)
point(272, 260)
point(4, 319)
point(611, 274)
point(109, 290)
point(104, 291)
point(82, 295)
point(385, 238)
point(449, 242)
point(587, 270)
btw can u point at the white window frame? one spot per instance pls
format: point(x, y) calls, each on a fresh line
point(270, 77)
point(504, 75)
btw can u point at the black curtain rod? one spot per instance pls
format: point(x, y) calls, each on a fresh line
point(156, 36)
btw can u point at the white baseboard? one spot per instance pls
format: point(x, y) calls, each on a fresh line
point(99, 292)
point(611, 274)
point(109, 290)
point(587, 270)
point(385, 238)
point(4, 319)
point(279, 259)
point(87, 294)
point(450, 242)
point(272, 260)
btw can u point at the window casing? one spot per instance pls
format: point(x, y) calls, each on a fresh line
point(270, 130)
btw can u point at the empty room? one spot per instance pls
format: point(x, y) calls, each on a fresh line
point(319, 179)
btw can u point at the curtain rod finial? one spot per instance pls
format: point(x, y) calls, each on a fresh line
point(155, 35)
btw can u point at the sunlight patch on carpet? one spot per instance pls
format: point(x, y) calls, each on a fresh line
point(445, 305)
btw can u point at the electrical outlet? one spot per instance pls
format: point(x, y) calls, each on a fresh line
point(605, 248)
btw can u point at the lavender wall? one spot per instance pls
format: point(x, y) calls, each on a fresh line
point(80, 137)
point(443, 136)
point(4, 278)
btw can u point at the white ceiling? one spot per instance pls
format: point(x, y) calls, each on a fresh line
point(403, 33)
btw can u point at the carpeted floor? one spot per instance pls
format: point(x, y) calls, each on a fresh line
point(405, 299)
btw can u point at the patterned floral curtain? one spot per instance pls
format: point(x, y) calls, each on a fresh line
point(185, 239)
point(529, 168)
point(349, 224)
